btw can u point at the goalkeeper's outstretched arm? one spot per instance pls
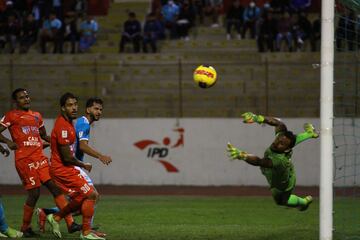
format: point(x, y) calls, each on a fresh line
point(257, 161)
point(277, 123)
point(250, 117)
point(238, 154)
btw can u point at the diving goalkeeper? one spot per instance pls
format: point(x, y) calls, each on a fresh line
point(276, 164)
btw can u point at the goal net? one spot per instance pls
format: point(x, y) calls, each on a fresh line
point(346, 131)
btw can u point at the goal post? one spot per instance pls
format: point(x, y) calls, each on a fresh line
point(326, 119)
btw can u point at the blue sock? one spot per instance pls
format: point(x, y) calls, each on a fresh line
point(3, 225)
point(48, 211)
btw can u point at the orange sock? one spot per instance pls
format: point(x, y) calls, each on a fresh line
point(61, 203)
point(28, 212)
point(68, 209)
point(87, 210)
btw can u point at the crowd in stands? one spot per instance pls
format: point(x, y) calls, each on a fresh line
point(26, 23)
point(277, 25)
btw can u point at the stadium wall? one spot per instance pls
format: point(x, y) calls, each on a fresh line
point(185, 152)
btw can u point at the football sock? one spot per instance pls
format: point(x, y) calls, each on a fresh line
point(87, 210)
point(28, 212)
point(295, 201)
point(48, 211)
point(3, 225)
point(61, 202)
point(68, 209)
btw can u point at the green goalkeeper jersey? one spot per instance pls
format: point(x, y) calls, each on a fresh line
point(282, 175)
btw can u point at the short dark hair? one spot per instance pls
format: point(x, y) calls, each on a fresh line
point(132, 14)
point(90, 102)
point(65, 97)
point(16, 91)
point(290, 135)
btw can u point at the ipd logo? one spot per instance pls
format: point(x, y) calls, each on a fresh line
point(159, 151)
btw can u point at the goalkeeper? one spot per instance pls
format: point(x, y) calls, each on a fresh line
point(276, 164)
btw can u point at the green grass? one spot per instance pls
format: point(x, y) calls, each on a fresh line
point(192, 218)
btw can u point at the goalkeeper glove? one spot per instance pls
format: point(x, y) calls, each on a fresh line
point(309, 128)
point(250, 117)
point(235, 153)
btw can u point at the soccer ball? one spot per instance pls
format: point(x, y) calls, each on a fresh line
point(205, 76)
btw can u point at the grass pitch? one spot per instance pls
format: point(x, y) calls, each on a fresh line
point(189, 218)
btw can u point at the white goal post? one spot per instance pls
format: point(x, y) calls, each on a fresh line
point(326, 119)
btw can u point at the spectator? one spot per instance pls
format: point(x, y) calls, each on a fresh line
point(346, 31)
point(2, 34)
point(185, 20)
point(11, 11)
point(279, 6)
point(199, 10)
point(71, 33)
point(88, 31)
point(250, 16)
point(299, 5)
point(160, 20)
point(212, 9)
point(51, 31)
point(36, 13)
point(305, 30)
point(28, 33)
point(57, 7)
point(296, 32)
point(80, 7)
point(131, 33)
point(316, 34)
point(267, 32)
point(284, 32)
point(12, 32)
point(171, 12)
point(234, 17)
point(2, 6)
point(151, 32)
point(44, 7)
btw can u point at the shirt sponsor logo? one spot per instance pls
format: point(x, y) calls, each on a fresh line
point(37, 164)
point(32, 142)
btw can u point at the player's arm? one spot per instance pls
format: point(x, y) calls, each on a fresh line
point(4, 151)
point(43, 134)
point(250, 117)
point(8, 142)
point(84, 147)
point(309, 133)
point(68, 158)
point(238, 154)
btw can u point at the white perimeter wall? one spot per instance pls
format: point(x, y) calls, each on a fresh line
point(201, 161)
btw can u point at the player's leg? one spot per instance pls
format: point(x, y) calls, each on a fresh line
point(32, 198)
point(67, 181)
point(61, 203)
point(5, 230)
point(291, 200)
point(87, 209)
point(31, 182)
point(90, 183)
point(3, 225)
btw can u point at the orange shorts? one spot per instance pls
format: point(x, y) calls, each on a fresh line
point(33, 173)
point(71, 182)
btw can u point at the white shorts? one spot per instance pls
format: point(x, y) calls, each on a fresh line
point(85, 176)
